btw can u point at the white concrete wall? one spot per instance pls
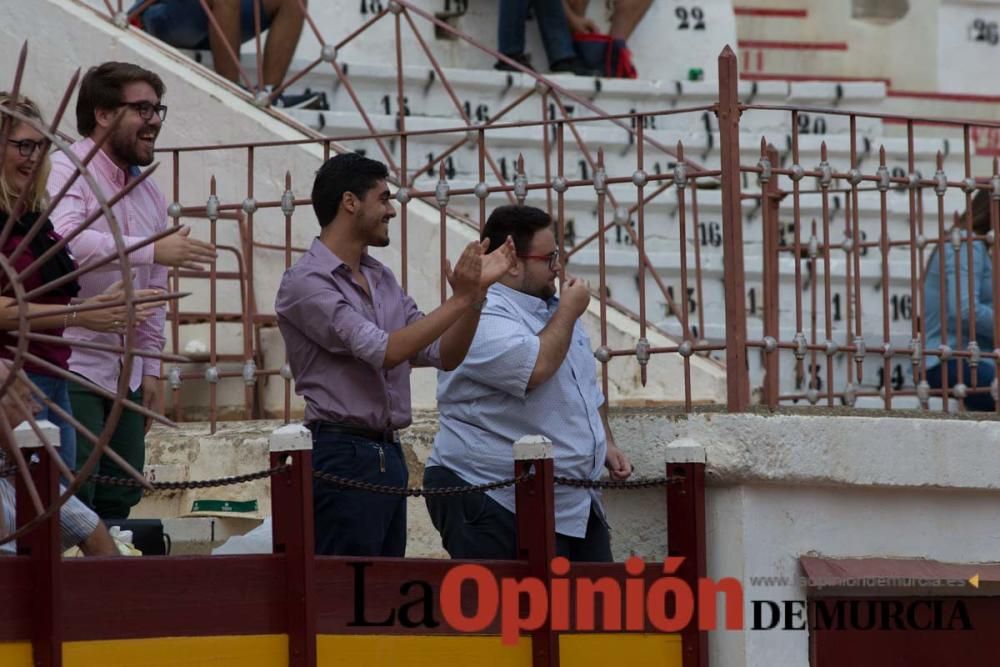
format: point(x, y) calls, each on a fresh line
point(934, 46)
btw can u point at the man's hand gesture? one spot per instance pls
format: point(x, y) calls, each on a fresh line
point(465, 278)
point(180, 250)
point(497, 263)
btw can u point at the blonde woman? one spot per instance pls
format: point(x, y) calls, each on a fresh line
point(24, 172)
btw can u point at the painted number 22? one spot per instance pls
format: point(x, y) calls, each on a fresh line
point(690, 19)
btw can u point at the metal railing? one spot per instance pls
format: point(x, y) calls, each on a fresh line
point(824, 338)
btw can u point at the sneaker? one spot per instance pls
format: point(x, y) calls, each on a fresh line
point(573, 65)
point(305, 100)
point(520, 58)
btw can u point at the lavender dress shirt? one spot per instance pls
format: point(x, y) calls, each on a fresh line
point(140, 214)
point(336, 338)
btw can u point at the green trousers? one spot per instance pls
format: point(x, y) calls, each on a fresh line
point(128, 441)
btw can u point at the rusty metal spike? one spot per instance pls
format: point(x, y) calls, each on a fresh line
point(288, 180)
point(940, 160)
point(520, 163)
point(441, 171)
point(212, 185)
point(822, 151)
point(881, 155)
point(680, 150)
point(600, 156)
point(763, 146)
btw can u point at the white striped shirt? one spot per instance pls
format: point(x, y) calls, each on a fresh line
point(76, 520)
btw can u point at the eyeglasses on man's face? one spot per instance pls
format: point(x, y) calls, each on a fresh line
point(27, 147)
point(147, 109)
point(552, 258)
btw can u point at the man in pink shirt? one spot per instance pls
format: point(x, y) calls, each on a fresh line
point(106, 91)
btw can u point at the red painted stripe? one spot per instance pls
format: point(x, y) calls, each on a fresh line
point(771, 13)
point(949, 97)
point(756, 76)
point(792, 46)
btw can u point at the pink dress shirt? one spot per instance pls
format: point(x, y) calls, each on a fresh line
point(142, 213)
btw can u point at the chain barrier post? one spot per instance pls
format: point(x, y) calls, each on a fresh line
point(42, 544)
point(685, 460)
point(728, 111)
point(292, 533)
point(536, 530)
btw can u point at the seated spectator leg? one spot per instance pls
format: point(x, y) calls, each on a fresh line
point(510, 26)
point(595, 547)
point(227, 15)
point(286, 20)
point(555, 30)
point(472, 525)
point(626, 16)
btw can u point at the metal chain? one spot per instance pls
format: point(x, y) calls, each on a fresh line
point(619, 484)
point(417, 491)
point(197, 484)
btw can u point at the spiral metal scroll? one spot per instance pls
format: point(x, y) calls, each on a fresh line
point(16, 384)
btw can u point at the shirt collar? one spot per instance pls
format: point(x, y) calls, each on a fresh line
point(322, 252)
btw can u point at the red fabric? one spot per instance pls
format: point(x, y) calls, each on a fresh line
point(54, 354)
point(617, 56)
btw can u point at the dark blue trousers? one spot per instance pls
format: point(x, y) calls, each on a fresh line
point(352, 522)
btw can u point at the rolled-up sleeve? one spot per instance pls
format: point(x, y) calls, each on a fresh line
point(430, 355)
point(503, 354)
point(324, 316)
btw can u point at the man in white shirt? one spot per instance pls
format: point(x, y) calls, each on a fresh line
point(530, 371)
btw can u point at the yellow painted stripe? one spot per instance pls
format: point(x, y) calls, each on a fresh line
point(580, 650)
point(15, 654)
point(601, 650)
point(228, 651)
point(417, 651)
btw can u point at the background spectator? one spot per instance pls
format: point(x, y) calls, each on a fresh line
point(556, 38)
point(625, 16)
point(183, 24)
point(25, 170)
point(942, 319)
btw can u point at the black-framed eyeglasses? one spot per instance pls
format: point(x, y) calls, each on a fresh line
point(27, 147)
point(552, 258)
point(147, 109)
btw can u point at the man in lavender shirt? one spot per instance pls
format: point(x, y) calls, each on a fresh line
point(106, 91)
point(351, 335)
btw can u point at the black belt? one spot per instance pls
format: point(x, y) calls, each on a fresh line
point(319, 426)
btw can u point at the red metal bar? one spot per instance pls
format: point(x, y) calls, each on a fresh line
point(292, 534)
point(737, 380)
point(212, 321)
point(686, 539)
point(641, 245)
point(42, 545)
point(602, 267)
point(770, 222)
point(536, 543)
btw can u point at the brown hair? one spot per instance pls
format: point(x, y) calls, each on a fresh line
point(37, 198)
point(981, 224)
point(102, 86)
